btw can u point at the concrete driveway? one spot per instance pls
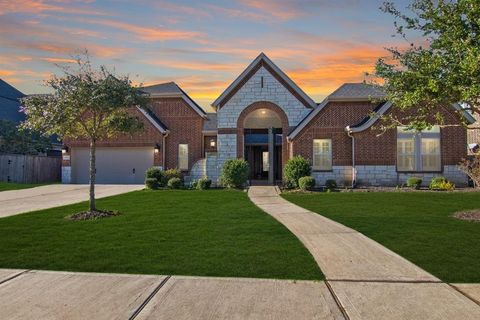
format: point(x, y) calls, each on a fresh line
point(19, 201)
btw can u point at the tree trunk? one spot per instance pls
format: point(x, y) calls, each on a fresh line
point(92, 176)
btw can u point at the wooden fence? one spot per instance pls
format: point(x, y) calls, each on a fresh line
point(29, 169)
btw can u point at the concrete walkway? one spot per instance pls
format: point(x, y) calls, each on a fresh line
point(66, 295)
point(368, 280)
point(19, 201)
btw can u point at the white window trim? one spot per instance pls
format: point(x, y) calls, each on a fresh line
point(328, 155)
point(417, 151)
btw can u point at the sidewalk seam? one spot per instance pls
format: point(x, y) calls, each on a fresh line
point(464, 294)
point(14, 276)
point(149, 298)
point(337, 300)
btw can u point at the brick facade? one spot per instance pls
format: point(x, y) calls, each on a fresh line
point(263, 86)
point(375, 151)
point(185, 127)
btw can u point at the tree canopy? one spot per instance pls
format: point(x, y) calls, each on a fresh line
point(441, 67)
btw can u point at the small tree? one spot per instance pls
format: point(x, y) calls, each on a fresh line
point(86, 103)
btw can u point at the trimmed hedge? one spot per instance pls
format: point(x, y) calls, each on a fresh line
point(235, 173)
point(331, 184)
point(295, 168)
point(202, 183)
point(156, 173)
point(306, 183)
point(152, 183)
point(414, 182)
point(175, 183)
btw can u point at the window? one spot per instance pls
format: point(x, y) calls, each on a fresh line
point(322, 154)
point(183, 157)
point(265, 161)
point(405, 154)
point(418, 151)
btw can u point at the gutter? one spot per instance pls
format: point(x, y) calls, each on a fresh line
point(163, 150)
point(354, 170)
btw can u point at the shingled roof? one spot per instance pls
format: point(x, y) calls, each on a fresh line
point(210, 123)
point(171, 89)
point(356, 92)
point(10, 103)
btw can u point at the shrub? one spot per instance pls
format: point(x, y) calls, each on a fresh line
point(173, 173)
point(156, 174)
point(152, 183)
point(203, 183)
point(234, 173)
point(446, 186)
point(436, 181)
point(295, 168)
point(440, 183)
point(175, 183)
point(306, 183)
point(414, 182)
point(330, 184)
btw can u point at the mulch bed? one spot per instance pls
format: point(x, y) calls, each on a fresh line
point(93, 215)
point(473, 215)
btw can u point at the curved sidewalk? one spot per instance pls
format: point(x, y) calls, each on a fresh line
point(369, 280)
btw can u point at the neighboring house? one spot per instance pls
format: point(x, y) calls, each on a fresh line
point(265, 118)
point(10, 103)
point(10, 110)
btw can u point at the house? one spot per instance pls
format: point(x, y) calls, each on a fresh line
point(10, 103)
point(265, 118)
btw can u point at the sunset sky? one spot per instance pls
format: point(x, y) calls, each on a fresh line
point(201, 45)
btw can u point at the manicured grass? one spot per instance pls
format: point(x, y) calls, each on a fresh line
point(184, 232)
point(4, 186)
point(417, 225)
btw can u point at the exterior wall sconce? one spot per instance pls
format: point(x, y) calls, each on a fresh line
point(212, 143)
point(64, 149)
point(157, 148)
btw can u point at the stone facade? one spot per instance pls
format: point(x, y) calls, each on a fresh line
point(341, 174)
point(380, 175)
point(252, 91)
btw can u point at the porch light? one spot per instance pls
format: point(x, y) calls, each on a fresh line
point(212, 143)
point(64, 149)
point(157, 148)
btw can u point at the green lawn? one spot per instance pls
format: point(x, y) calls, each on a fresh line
point(5, 186)
point(416, 225)
point(185, 232)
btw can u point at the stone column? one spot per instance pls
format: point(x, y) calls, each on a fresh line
point(271, 158)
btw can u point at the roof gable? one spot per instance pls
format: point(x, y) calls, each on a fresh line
point(263, 61)
point(172, 90)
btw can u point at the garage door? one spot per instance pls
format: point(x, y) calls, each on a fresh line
point(114, 165)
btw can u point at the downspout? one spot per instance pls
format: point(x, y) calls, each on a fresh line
point(354, 170)
point(163, 150)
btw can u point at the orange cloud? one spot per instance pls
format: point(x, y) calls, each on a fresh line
point(40, 6)
point(195, 65)
point(148, 33)
point(59, 60)
point(279, 9)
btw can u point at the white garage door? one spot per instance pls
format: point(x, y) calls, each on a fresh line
point(114, 165)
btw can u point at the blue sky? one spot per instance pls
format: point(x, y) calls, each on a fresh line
point(201, 45)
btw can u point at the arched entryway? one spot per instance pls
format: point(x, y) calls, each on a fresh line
point(261, 140)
